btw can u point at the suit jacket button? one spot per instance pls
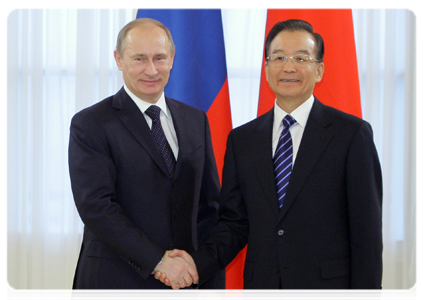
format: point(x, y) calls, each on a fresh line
point(276, 270)
point(281, 232)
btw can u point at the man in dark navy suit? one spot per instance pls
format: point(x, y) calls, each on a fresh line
point(143, 172)
point(302, 184)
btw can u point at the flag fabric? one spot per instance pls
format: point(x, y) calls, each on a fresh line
point(199, 73)
point(340, 84)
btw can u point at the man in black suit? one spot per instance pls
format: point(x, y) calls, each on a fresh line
point(140, 197)
point(319, 224)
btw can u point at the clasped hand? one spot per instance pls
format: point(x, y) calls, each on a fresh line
point(177, 269)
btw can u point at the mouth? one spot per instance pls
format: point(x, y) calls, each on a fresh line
point(150, 82)
point(289, 80)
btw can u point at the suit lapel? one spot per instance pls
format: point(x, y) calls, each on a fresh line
point(133, 119)
point(181, 126)
point(313, 144)
point(261, 145)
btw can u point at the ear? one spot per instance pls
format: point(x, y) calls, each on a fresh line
point(266, 69)
point(118, 59)
point(320, 70)
point(172, 59)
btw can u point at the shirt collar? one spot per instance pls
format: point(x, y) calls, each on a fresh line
point(300, 114)
point(144, 105)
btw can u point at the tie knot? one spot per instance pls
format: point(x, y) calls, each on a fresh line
point(288, 121)
point(153, 112)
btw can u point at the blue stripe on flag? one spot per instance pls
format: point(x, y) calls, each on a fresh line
point(199, 69)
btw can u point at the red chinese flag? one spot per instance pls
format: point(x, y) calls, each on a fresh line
point(235, 272)
point(340, 85)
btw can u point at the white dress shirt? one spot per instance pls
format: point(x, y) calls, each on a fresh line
point(165, 118)
point(300, 114)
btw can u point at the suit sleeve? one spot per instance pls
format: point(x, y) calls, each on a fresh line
point(231, 232)
point(364, 192)
point(93, 176)
point(208, 205)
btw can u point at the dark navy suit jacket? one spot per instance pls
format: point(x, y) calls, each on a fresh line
point(328, 235)
point(132, 210)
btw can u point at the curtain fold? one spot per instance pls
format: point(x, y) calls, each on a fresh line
point(61, 61)
point(410, 161)
point(386, 60)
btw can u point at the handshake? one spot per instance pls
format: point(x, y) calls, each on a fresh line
point(177, 269)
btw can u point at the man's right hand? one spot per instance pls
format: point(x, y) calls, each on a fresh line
point(177, 269)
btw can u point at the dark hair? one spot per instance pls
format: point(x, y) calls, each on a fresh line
point(295, 25)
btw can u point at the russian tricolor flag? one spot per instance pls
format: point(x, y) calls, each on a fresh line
point(199, 76)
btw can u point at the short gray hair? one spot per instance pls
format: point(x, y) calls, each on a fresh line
point(142, 22)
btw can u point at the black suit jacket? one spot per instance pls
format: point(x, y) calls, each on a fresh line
point(328, 233)
point(132, 210)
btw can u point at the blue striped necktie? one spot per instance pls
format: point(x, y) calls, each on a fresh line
point(282, 160)
point(154, 113)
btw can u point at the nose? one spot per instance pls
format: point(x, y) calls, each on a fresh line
point(150, 69)
point(289, 64)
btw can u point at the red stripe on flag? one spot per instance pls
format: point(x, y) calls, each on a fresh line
point(340, 85)
point(220, 120)
point(235, 272)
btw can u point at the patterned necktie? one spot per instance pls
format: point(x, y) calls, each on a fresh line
point(282, 160)
point(154, 113)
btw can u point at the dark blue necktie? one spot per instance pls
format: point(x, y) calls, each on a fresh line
point(282, 160)
point(154, 113)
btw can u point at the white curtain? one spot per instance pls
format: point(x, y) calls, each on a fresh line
point(60, 61)
point(386, 52)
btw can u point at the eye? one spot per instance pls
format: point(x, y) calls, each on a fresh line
point(160, 59)
point(301, 58)
point(278, 57)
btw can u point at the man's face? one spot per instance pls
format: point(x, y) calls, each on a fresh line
point(146, 62)
point(292, 83)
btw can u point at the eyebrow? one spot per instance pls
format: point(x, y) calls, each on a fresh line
point(297, 51)
point(144, 55)
point(137, 55)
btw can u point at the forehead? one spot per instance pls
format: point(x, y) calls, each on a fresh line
point(293, 41)
point(146, 38)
